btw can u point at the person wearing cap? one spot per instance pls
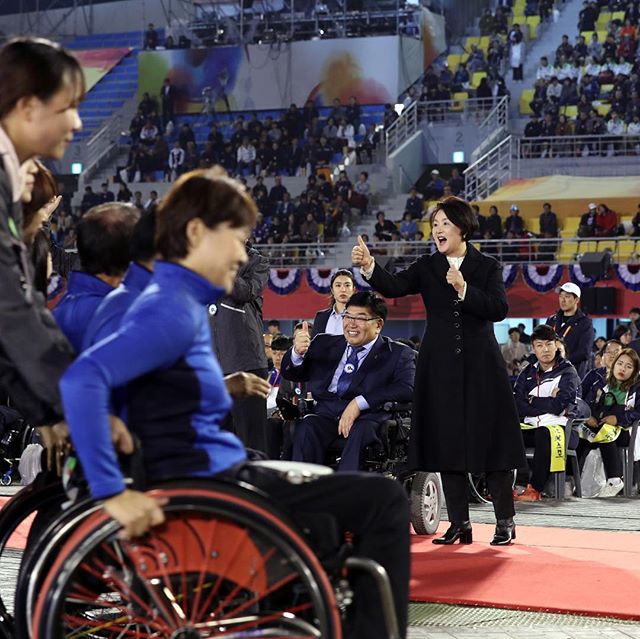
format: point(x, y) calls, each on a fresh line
point(435, 187)
point(514, 223)
point(587, 227)
point(573, 325)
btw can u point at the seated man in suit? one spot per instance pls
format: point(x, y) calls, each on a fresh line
point(351, 377)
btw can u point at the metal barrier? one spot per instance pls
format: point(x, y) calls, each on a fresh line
point(491, 171)
point(102, 145)
point(528, 250)
point(579, 146)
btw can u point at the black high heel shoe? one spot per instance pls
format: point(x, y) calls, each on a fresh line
point(505, 532)
point(458, 531)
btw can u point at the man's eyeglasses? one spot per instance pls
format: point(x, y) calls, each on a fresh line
point(358, 319)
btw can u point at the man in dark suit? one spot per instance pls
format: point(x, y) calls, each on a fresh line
point(168, 97)
point(329, 320)
point(351, 377)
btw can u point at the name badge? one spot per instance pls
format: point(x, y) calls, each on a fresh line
point(213, 309)
point(349, 368)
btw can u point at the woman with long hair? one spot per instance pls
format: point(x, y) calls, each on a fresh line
point(41, 86)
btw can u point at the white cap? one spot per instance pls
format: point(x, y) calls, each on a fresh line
point(592, 205)
point(570, 287)
point(435, 172)
point(514, 207)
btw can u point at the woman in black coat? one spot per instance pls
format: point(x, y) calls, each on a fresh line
point(464, 416)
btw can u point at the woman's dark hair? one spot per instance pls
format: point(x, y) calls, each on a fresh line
point(376, 305)
point(341, 272)
point(560, 340)
point(621, 330)
point(627, 384)
point(281, 343)
point(36, 67)
point(208, 194)
point(459, 213)
point(39, 253)
point(44, 189)
point(104, 238)
point(543, 333)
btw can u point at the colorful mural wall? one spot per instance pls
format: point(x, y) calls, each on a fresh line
point(96, 63)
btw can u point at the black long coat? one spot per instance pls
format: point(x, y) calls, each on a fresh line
point(464, 414)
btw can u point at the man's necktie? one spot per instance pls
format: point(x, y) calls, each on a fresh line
point(350, 367)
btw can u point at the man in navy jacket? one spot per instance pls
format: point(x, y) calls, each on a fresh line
point(574, 327)
point(351, 377)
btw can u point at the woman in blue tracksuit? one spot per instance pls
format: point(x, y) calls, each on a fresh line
point(614, 400)
point(177, 397)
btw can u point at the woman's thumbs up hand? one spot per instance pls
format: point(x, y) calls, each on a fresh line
point(360, 255)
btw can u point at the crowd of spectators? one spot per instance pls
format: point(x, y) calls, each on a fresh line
point(590, 86)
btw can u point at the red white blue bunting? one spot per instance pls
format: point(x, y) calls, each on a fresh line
point(509, 273)
point(361, 283)
point(578, 277)
point(320, 279)
point(284, 280)
point(629, 275)
point(542, 278)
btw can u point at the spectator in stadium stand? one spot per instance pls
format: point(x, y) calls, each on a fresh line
point(634, 322)
point(278, 191)
point(246, 157)
point(408, 228)
point(123, 194)
point(538, 409)
point(309, 229)
point(494, 224)
point(415, 205)
point(150, 37)
point(286, 207)
point(137, 122)
point(481, 221)
point(329, 320)
point(623, 333)
point(606, 222)
point(435, 187)
point(486, 23)
point(152, 202)
point(588, 16)
point(186, 135)
point(361, 193)
point(89, 200)
point(609, 352)
point(587, 226)
point(383, 227)
point(168, 101)
point(104, 236)
point(149, 133)
point(514, 223)
point(456, 182)
point(516, 56)
point(576, 328)
point(105, 194)
point(525, 338)
point(514, 352)
point(548, 230)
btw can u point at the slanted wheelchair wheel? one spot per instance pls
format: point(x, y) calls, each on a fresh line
point(223, 564)
point(426, 503)
point(14, 513)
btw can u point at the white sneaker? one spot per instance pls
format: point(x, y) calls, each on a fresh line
point(612, 487)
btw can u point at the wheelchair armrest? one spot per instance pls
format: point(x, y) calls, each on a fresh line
point(398, 407)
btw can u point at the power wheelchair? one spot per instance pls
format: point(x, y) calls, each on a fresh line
point(227, 562)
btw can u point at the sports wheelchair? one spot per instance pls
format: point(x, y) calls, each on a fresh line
point(227, 562)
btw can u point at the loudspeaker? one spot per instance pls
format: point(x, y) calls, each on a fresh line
point(599, 301)
point(596, 264)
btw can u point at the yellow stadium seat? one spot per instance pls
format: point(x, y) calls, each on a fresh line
point(604, 109)
point(453, 61)
point(525, 98)
point(459, 100)
point(626, 249)
point(571, 111)
point(484, 44)
point(519, 5)
point(533, 225)
point(476, 77)
point(602, 35)
point(570, 226)
point(587, 35)
point(567, 251)
point(618, 15)
point(607, 245)
point(471, 40)
point(606, 88)
point(533, 22)
point(587, 246)
point(425, 227)
point(603, 20)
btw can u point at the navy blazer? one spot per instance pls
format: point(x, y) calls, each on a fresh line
point(386, 375)
point(320, 321)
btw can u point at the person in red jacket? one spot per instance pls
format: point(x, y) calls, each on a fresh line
point(606, 222)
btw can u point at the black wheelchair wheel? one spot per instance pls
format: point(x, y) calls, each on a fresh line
point(425, 500)
point(38, 559)
point(223, 563)
point(14, 513)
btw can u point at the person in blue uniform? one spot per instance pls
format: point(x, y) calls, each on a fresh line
point(104, 234)
point(177, 396)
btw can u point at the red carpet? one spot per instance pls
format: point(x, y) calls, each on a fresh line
point(19, 537)
point(547, 569)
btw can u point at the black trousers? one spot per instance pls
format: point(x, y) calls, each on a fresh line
point(456, 493)
point(248, 419)
point(611, 457)
point(540, 438)
point(376, 511)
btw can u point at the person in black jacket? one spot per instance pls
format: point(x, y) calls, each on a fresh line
point(546, 393)
point(574, 327)
point(329, 320)
point(41, 86)
point(236, 327)
point(464, 416)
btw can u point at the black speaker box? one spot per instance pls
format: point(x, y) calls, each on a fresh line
point(595, 264)
point(599, 301)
